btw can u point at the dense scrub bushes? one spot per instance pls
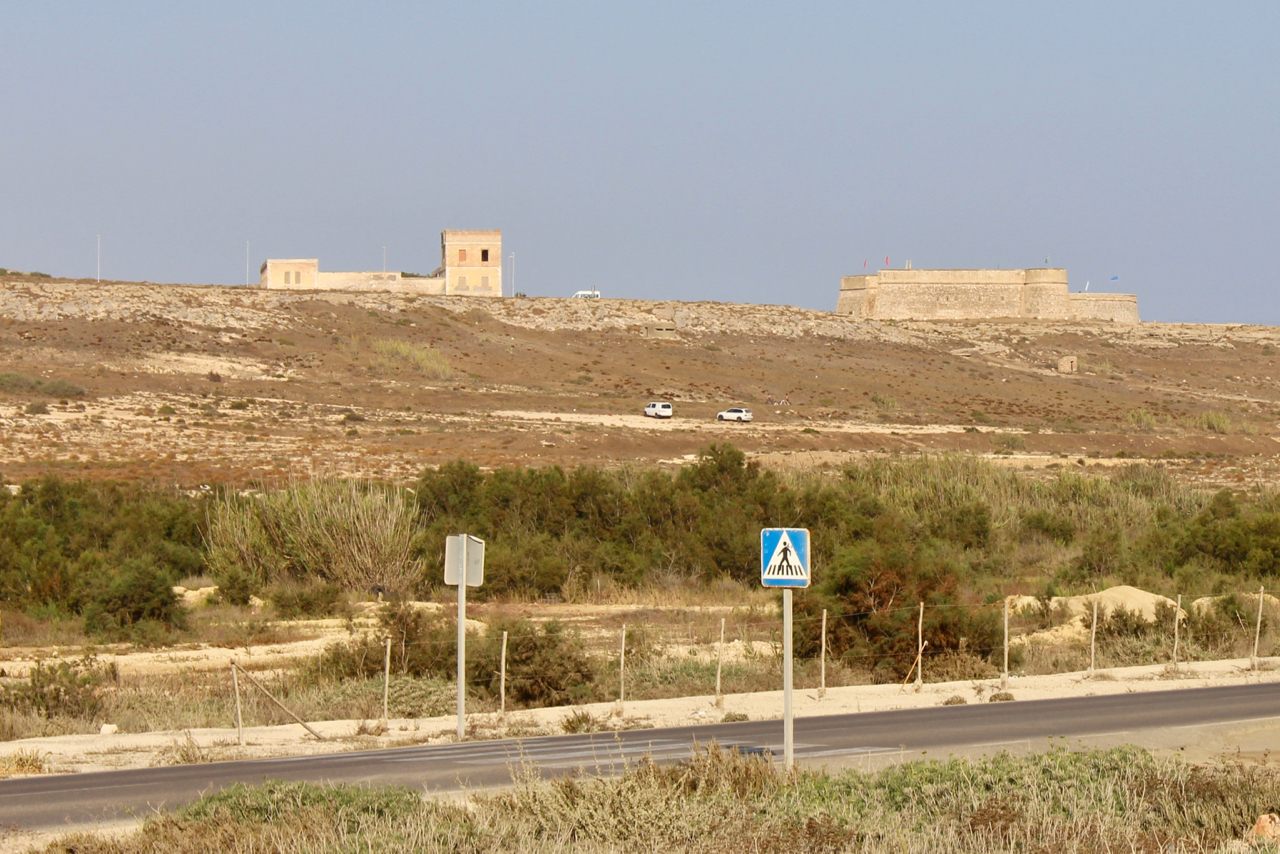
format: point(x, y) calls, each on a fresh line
point(949, 531)
point(108, 550)
point(547, 664)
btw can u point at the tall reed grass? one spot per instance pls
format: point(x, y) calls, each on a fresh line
point(356, 535)
point(920, 486)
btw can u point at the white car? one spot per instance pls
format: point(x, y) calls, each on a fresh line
point(593, 294)
point(734, 414)
point(658, 410)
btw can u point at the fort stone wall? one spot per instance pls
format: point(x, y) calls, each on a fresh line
point(1111, 308)
point(389, 282)
point(1040, 294)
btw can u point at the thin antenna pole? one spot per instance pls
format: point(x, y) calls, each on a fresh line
point(246, 263)
point(384, 259)
point(98, 275)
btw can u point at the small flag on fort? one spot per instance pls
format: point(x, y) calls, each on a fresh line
point(864, 263)
point(886, 260)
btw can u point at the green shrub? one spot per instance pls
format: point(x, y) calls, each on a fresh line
point(25, 385)
point(1211, 422)
point(967, 525)
point(294, 600)
point(1053, 526)
point(1142, 419)
point(1009, 442)
point(62, 689)
point(62, 542)
point(547, 665)
point(140, 592)
point(1104, 553)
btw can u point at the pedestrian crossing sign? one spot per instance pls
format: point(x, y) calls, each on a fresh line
point(784, 557)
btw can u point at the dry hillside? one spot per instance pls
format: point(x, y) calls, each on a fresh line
point(194, 385)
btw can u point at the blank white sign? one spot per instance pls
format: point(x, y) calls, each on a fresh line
point(453, 559)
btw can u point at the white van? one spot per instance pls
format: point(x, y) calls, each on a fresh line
point(591, 294)
point(658, 410)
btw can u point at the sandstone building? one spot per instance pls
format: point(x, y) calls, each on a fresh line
point(1036, 294)
point(470, 264)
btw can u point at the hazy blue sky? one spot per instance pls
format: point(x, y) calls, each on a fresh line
point(728, 151)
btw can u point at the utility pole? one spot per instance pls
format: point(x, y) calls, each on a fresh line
point(98, 277)
point(384, 259)
point(246, 263)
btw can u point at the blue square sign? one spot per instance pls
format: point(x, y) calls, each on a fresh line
point(784, 557)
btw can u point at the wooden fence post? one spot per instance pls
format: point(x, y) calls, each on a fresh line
point(719, 665)
point(386, 680)
point(1177, 614)
point(235, 684)
point(822, 684)
point(1093, 636)
point(1004, 675)
point(1257, 631)
point(920, 647)
point(502, 678)
point(622, 672)
point(271, 697)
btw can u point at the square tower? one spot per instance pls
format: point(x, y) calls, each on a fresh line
point(289, 274)
point(472, 262)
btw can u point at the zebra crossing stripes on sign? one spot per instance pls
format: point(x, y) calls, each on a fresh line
point(784, 557)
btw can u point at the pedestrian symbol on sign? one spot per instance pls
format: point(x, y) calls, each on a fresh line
point(784, 557)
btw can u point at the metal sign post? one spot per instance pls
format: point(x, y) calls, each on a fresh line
point(784, 562)
point(463, 566)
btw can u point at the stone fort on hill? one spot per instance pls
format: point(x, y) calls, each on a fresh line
point(1035, 294)
point(470, 265)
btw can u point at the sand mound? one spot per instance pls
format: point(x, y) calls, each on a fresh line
point(1130, 598)
point(1204, 603)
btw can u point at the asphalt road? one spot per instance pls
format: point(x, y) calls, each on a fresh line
point(36, 803)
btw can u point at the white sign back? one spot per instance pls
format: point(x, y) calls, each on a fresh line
point(453, 550)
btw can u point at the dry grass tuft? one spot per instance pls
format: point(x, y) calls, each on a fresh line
point(24, 762)
point(393, 355)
